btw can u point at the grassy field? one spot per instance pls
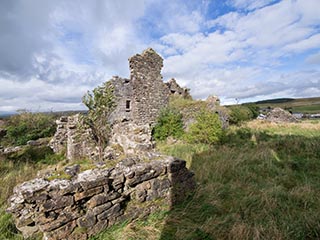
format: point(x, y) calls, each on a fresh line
point(260, 182)
point(302, 105)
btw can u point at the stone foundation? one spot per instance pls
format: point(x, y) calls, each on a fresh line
point(96, 199)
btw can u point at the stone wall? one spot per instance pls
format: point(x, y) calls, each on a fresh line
point(123, 92)
point(74, 138)
point(150, 93)
point(132, 138)
point(175, 89)
point(139, 100)
point(96, 199)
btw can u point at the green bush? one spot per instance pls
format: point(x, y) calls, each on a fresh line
point(169, 124)
point(254, 108)
point(207, 129)
point(28, 126)
point(239, 114)
point(33, 154)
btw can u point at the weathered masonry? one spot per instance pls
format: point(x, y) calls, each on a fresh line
point(140, 98)
point(96, 199)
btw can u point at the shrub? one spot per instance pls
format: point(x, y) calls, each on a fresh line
point(239, 114)
point(254, 108)
point(207, 129)
point(100, 103)
point(28, 126)
point(169, 124)
point(33, 154)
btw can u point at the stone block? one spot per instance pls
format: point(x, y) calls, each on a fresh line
point(113, 211)
point(101, 208)
point(88, 193)
point(87, 220)
point(57, 203)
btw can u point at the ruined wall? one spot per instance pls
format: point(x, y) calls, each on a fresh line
point(98, 198)
point(150, 94)
point(138, 104)
point(73, 138)
point(59, 141)
point(175, 89)
point(279, 115)
point(123, 92)
point(132, 138)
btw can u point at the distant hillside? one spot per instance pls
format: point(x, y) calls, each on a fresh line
point(58, 113)
point(302, 105)
point(277, 100)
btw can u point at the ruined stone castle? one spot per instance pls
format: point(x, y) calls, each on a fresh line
point(139, 100)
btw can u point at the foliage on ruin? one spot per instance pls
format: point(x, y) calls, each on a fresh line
point(169, 124)
point(207, 129)
point(100, 103)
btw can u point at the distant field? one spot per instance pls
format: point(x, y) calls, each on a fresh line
point(303, 105)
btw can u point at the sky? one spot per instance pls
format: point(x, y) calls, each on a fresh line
point(52, 52)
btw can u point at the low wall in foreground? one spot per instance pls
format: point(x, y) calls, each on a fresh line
point(98, 198)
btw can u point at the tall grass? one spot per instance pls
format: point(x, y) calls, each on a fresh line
point(261, 182)
point(261, 188)
point(264, 191)
point(12, 173)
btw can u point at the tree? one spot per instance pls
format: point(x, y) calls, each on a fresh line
point(100, 103)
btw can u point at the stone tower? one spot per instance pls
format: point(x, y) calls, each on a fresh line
point(141, 97)
point(150, 94)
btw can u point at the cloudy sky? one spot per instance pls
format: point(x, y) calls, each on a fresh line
point(52, 52)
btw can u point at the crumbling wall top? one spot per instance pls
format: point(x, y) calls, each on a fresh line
point(147, 63)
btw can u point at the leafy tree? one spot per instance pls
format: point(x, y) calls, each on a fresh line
point(100, 103)
point(207, 128)
point(169, 124)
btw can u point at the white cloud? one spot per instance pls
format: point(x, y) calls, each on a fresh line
point(52, 52)
point(313, 59)
point(304, 44)
point(250, 4)
point(235, 60)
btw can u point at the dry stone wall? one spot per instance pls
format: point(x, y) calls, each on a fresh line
point(96, 199)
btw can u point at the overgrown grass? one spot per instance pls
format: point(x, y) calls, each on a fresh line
point(261, 183)
point(306, 128)
point(13, 172)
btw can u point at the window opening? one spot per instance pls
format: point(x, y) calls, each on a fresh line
point(128, 105)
